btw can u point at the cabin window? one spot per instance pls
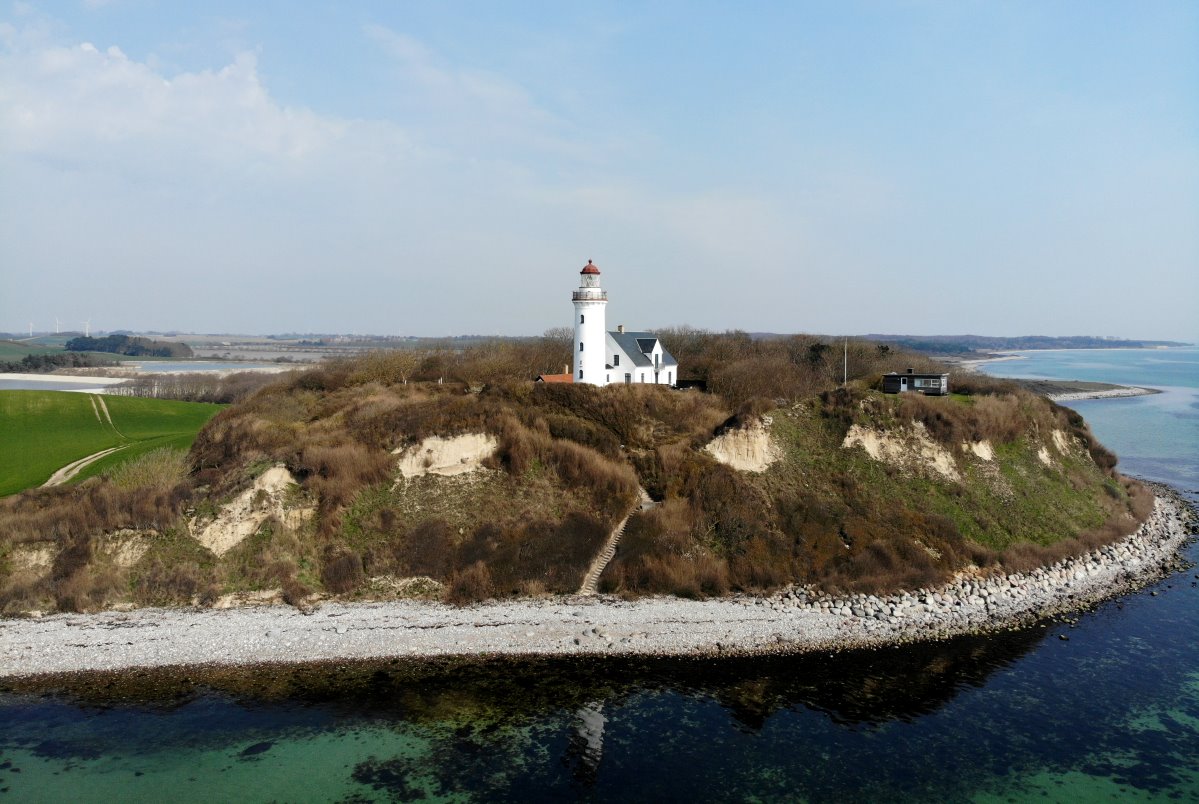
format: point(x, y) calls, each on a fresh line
point(616, 360)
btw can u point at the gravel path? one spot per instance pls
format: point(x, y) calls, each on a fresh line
point(796, 620)
point(71, 469)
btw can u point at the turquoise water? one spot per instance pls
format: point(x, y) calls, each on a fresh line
point(1111, 713)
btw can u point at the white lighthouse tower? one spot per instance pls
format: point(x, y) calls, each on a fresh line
point(591, 334)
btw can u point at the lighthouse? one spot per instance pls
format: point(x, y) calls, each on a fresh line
point(590, 301)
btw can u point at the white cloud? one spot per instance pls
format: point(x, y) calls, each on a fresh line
point(81, 103)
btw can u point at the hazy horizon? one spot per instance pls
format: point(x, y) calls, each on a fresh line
point(434, 169)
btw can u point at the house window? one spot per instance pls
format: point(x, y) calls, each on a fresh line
point(670, 378)
point(607, 378)
point(580, 374)
point(581, 317)
point(580, 346)
point(643, 376)
point(615, 360)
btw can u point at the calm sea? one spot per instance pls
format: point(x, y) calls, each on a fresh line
point(1110, 713)
point(1155, 436)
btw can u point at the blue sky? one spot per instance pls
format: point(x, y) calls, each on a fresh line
point(445, 168)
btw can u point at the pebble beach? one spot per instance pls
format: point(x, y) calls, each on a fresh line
point(795, 620)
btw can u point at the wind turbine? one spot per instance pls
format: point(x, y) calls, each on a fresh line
point(87, 328)
point(57, 326)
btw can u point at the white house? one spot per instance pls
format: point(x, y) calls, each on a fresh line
point(606, 358)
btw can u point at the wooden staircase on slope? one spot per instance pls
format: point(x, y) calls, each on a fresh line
point(591, 579)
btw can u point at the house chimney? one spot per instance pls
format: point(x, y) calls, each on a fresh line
point(620, 328)
point(566, 368)
point(910, 371)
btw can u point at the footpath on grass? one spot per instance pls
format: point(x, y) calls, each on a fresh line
point(62, 436)
point(796, 620)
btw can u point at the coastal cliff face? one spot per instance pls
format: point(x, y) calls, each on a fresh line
point(877, 493)
point(362, 489)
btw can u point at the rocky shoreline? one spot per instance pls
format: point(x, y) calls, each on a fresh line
point(796, 620)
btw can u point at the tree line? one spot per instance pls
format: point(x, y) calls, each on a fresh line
point(44, 364)
point(127, 345)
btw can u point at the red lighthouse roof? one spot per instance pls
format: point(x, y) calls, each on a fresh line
point(590, 268)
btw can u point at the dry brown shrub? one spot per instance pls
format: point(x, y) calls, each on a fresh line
point(160, 583)
point(386, 366)
point(553, 554)
point(24, 591)
point(688, 577)
point(1077, 426)
point(883, 567)
point(999, 419)
point(162, 469)
point(584, 433)
point(342, 572)
point(337, 473)
point(658, 554)
point(94, 507)
point(471, 585)
point(761, 565)
point(428, 549)
point(73, 557)
point(728, 508)
point(329, 376)
point(76, 584)
point(972, 383)
point(1027, 556)
point(295, 592)
point(765, 377)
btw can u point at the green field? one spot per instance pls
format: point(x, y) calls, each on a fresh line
point(15, 350)
point(42, 431)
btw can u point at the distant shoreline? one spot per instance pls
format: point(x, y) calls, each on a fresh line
point(106, 376)
point(50, 379)
point(796, 620)
point(1064, 390)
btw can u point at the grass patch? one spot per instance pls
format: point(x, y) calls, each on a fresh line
point(15, 350)
point(42, 431)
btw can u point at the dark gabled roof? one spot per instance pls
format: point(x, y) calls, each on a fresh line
point(637, 344)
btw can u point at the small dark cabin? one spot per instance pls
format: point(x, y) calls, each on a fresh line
point(928, 384)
